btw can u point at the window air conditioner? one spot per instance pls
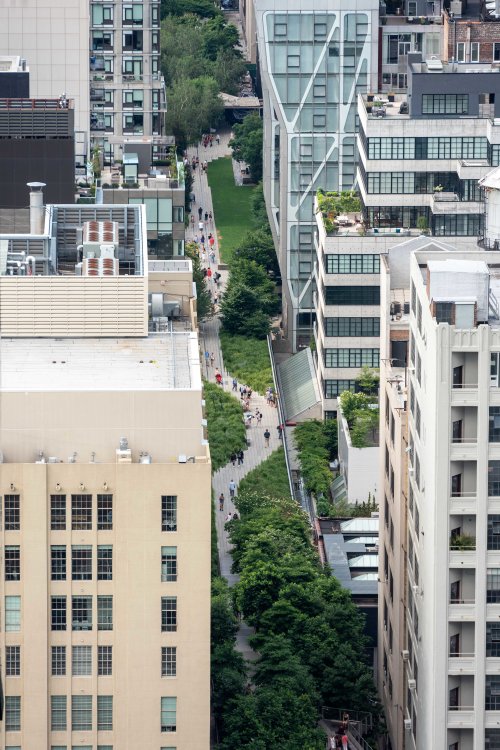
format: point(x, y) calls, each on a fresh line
point(405, 655)
point(412, 684)
point(407, 725)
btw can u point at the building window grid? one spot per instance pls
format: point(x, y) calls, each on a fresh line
point(13, 661)
point(333, 388)
point(492, 695)
point(168, 714)
point(352, 263)
point(81, 512)
point(58, 512)
point(439, 147)
point(494, 478)
point(169, 614)
point(81, 713)
point(105, 661)
point(104, 512)
point(58, 713)
point(169, 513)
point(351, 295)
point(12, 713)
point(352, 357)
point(12, 555)
point(105, 713)
point(168, 564)
point(81, 661)
point(12, 508)
point(351, 327)
point(58, 613)
point(58, 562)
point(104, 563)
point(169, 661)
point(81, 612)
point(58, 661)
point(81, 563)
point(104, 613)
point(445, 104)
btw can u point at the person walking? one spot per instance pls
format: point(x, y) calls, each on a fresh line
point(221, 501)
point(233, 458)
point(217, 139)
point(267, 435)
point(212, 359)
point(280, 431)
point(258, 417)
point(200, 213)
point(345, 742)
point(206, 216)
point(235, 384)
point(241, 457)
point(210, 216)
point(232, 489)
point(192, 222)
point(207, 355)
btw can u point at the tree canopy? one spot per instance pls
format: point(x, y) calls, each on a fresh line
point(203, 298)
point(247, 144)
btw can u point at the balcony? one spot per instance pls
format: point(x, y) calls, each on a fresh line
point(464, 502)
point(462, 550)
point(460, 716)
point(462, 610)
point(461, 664)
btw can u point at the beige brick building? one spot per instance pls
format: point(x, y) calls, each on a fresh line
point(105, 495)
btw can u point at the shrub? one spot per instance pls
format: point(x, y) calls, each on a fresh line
point(226, 431)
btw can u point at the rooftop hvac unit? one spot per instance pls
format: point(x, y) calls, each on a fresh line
point(172, 309)
point(123, 456)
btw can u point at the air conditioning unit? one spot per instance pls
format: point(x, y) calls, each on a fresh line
point(405, 655)
point(412, 684)
point(407, 725)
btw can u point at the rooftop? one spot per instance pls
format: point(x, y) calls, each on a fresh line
point(351, 548)
point(13, 64)
point(164, 362)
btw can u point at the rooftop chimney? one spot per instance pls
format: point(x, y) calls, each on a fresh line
point(37, 209)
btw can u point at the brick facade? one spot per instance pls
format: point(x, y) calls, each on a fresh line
point(467, 30)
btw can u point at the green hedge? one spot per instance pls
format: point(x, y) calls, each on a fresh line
point(226, 431)
point(247, 360)
point(270, 477)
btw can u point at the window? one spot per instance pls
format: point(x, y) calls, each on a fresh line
point(352, 295)
point(104, 563)
point(12, 713)
point(58, 562)
point(12, 563)
point(58, 713)
point(168, 614)
point(58, 511)
point(474, 51)
point(494, 478)
point(494, 433)
point(168, 661)
point(445, 104)
point(346, 327)
point(12, 513)
point(58, 612)
point(352, 263)
point(169, 563)
point(105, 712)
point(352, 357)
point(82, 612)
point(13, 661)
point(333, 388)
point(169, 512)
point(492, 697)
point(58, 660)
point(492, 739)
point(81, 661)
point(169, 714)
point(493, 532)
point(493, 639)
point(104, 512)
point(81, 563)
point(105, 660)
point(81, 713)
point(12, 614)
point(104, 613)
point(493, 585)
point(81, 512)
point(132, 14)
point(496, 51)
point(461, 52)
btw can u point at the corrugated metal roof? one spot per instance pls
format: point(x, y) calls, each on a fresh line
point(299, 389)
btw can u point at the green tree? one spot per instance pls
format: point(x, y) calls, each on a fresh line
point(247, 144)
point(203, 8)
point(259, 210)
point(203, 298)
point(258, 245)
point(241, 312)
point(194, 106)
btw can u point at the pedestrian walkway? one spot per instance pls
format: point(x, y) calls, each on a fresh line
point(256, 451)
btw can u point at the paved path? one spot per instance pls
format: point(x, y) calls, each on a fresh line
point(209, 341)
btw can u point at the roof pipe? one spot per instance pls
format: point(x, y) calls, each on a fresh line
point(37, 209)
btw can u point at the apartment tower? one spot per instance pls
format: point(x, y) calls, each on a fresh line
point(104, 488)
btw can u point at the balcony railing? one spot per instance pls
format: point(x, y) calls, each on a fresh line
point(464, 385)
point(464, 439)
point(464, 493)
point(462, 655)
point(461, 600)
point(460, 708)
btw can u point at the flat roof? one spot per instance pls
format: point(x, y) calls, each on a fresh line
point(157, 362)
